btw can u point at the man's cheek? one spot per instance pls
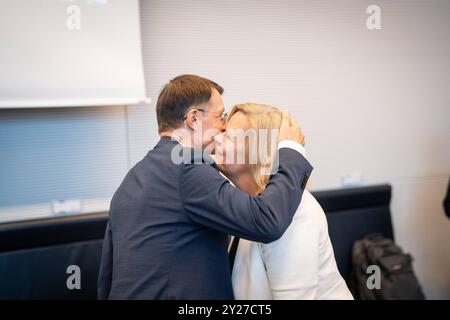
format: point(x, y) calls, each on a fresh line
point(209, 134)
point(210, 148)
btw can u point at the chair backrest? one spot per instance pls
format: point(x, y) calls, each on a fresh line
point(35, 255)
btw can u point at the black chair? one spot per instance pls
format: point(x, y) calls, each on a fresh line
point(34, 257)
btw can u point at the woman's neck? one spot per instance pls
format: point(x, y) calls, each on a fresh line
point(246, 182)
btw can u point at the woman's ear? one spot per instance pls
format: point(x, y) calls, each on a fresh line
point(192, 119)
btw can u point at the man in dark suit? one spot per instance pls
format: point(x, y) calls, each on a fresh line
point(169, 222)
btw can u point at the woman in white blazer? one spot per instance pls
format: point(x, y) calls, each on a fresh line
point(299, 265)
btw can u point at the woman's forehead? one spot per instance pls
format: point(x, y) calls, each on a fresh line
point(238, 121)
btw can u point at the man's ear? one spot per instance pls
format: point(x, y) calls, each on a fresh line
point(192, 119)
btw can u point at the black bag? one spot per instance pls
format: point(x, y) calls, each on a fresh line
point(397, 278)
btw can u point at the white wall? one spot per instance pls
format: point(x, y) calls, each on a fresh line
point(370, 101)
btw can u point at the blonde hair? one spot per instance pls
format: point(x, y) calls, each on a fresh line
point(266, 120)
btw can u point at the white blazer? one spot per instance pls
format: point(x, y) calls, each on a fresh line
point(299, 265)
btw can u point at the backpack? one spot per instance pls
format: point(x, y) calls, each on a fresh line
point(397, 280)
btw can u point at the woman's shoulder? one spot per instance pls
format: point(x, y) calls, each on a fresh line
point(308, 219)
point(309, 207)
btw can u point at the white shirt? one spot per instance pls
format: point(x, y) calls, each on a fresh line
point(299, 265)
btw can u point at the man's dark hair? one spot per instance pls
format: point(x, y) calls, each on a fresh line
point(178, 96)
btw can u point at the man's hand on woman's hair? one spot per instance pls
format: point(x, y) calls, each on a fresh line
point(290, 130)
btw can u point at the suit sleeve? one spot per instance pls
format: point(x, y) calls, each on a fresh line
point(105, 273)
point(212, 201)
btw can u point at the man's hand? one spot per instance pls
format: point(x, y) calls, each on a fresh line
point(289, 130)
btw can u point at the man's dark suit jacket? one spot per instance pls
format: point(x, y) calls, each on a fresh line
point(168, 227)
